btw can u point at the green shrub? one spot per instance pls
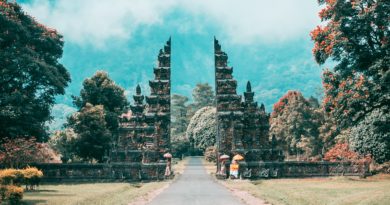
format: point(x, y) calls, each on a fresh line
point(202, 129)
point(3, 190)
point(210, 154)
point(14, 194)
point(32, 176)
point(180, 147)
point(11, 176)
point(372, 135)
point(11, 180)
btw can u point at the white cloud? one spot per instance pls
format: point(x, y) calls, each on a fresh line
point(251, 20)
point(96, 21)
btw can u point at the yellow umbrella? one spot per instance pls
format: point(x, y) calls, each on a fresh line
point(238, 157)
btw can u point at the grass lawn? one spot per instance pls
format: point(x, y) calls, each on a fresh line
point(315, 191)
point(332, 190)
point(95, 193)
point(90, 193)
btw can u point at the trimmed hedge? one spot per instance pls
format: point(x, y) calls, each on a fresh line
point(12, 193)
point(12, 179)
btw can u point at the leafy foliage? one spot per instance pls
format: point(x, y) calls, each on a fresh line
point(20, 152)
point(328, 131)
point(371, 135)
point(32, 177)
point(11, 176)
point(12, 179)
point(179, 113)
point(203, 95)
point(180, 145)
point(356, 37)
point(294, 123)
point(94, 137)
point(202, 128)
point(13, 194)
point(341, 152)
point(100, 103)
point(63, 141)
point(31, 75)
point(101, 90)
point(210, 154)
point(347, 99)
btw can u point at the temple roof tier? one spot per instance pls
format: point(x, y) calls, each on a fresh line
point(224, 69)
point(230, 113)
point(227, 97)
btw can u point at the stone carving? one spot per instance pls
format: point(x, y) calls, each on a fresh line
point(247, 173)
point(264, 173)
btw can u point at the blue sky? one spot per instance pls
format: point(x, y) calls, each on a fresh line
point(267, 42)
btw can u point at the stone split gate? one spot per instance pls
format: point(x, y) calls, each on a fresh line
point(144, 135)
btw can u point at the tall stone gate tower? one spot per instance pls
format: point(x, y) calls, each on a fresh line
point(228, 103)
point(242, 126)
point(159, 102)
point(144, 133)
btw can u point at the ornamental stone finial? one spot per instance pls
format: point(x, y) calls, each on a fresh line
point(217, 46)
point(169, 41)
point(248, 87)
point(262, 107)
point(138, 90)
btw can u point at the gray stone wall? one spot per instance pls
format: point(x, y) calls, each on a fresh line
point(296, 169)
point(101, 172)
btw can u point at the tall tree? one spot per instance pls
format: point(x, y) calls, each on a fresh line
point(30, 74)
point(19, 152)
point(294, 123)
point(101, 90)
point(93, 135)
point(180, 143)
point(371, 135)
point(202, 129)
point(63, 141)
point(356, 37)
point(203, 95)
point(179, 113)
point(328, 132)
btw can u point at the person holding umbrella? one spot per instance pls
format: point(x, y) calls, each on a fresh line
point(223, 159)
point(234, 167)
point(168, 156)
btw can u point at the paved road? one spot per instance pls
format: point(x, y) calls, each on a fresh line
point(195, 186)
